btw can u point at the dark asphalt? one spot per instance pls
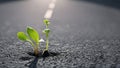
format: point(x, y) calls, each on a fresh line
point(85, 33)
point(86, 19)
point(15, 15)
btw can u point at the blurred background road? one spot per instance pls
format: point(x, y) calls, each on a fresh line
point(15, 15)
point(81, 18)
point(88, 18)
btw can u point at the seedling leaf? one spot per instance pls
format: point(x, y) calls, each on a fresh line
point(46, 31)
point(46, 22)
point(33, 34)
point(22, 36)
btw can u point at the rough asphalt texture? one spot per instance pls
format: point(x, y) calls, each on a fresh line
point(85, 34)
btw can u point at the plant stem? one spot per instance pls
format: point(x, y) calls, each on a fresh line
point(36, 49)
point(46, 26)
point(47, 41)
point(36, 52)
point(32, 43)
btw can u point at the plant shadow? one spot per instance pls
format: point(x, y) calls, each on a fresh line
point(50, 54)
point(33, 63)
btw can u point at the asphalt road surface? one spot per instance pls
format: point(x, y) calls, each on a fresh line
point(86, 32)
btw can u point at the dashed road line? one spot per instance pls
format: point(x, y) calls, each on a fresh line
point(49, 12)
point(52, 6)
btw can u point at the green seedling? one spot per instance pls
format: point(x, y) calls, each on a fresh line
point(46, 22)
point(46, 32)
point(32, 37)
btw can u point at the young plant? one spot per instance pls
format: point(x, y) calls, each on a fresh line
point(32, 37)
point(46, 32)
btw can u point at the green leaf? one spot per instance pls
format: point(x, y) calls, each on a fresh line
point(46, 31)
point(22, 36)
point(46, 22)
point(33, 34)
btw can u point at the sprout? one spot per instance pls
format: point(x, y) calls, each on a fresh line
point(32, 37)
point(46, 22)
point(46, 32)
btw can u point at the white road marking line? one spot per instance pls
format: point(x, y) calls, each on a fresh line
point(49, 12)
point(52, 6)
point(53, 1)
